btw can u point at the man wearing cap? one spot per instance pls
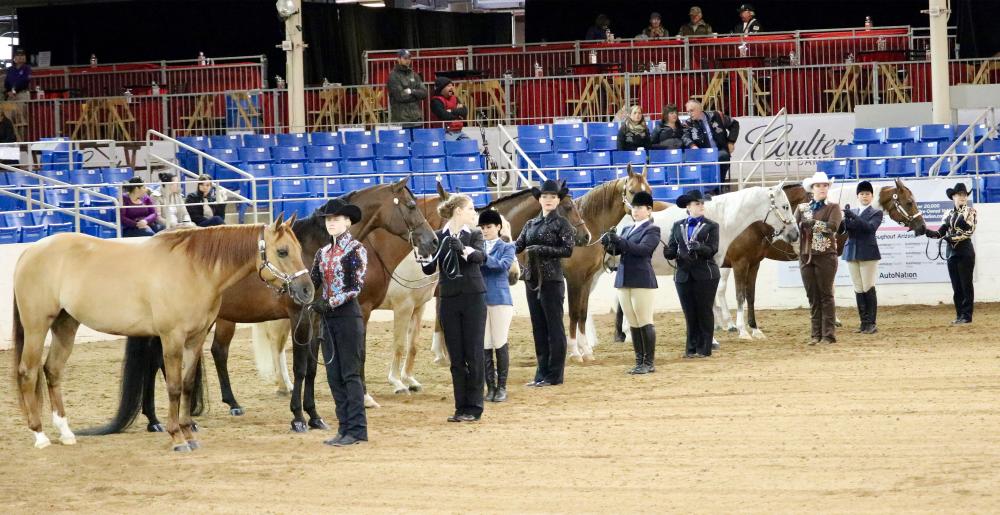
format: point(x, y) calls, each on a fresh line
point(15, 85)
point(406, 91)
point(655, 29)
point(698, 25)
point(956, 229)
point(862, 254)
point(447, 109)
point(748, 21)
point(338, 273)
point(819, 221)
point(711, 129)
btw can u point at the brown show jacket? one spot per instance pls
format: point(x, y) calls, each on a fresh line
point(825, 239)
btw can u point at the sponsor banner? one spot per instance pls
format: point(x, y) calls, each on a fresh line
point(804, 139)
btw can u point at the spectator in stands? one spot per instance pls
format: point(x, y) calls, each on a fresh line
point(669, 132)
point(711, 129)
point(169, 201)
point(9, 154)
point(600, 28)
point(634, 133)
point(655, 30)
point(138, 214)
point(446, 107)
point(406, 91)
point(748, 21)
point(206, 205)
point(698, 25)
point(15, 85)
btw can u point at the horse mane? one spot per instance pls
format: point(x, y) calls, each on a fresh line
point(226, 245)
point(513, 196)
point(589, 208)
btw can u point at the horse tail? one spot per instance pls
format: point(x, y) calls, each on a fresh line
point(137, 367)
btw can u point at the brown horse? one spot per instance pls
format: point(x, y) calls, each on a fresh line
point(755, 244)
point(72, 279)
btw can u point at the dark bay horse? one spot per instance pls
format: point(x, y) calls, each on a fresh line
point(389, 206)
point(71, 279)
point(755, 244)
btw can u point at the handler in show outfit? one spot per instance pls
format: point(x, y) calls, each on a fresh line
point(819, 221)
point(956, 229)
point(862, 255)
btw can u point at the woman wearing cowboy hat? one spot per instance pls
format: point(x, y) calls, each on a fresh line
point(862, 255)
point(499, 305)
point(635, 279)
point(693, 243)
point(819, 221)
point(338, 273)
point(548, 238)
point(956, 229)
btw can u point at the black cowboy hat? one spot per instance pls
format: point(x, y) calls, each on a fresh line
point(440, 83)
point(959, 188)
point(490, 217)
point(865, 186)
point(642, 198)
point(336, 206)
point(745, 7)
point(692, 196)
point(551, 186)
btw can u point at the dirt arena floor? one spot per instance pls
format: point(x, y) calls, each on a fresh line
point(906, 420)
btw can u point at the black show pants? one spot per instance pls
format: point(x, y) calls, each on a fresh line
point(463, 321)
point(546, 308)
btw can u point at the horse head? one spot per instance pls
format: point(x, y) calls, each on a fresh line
point(898, 201)
point(568, 210)
point(393, 207)
point(634, 183)
point(279, 261)
point(781, 215)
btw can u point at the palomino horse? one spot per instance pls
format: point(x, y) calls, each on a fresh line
point(755, 244)
point(71, 279)
point(391, 207)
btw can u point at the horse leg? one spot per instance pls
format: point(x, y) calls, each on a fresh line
point(300, 365)
point(741, 271)
point(751, 288)
point(63, 334)
point(411, 348)
point(191, 363)
point(721, 307)
point(173, 359)
point(437, 340)
point(573, 350)
point(154, 366)
point(29, 336)
point(369, 400)
point(309, 393)
point(400, 328)
point(224, 331)
point(276, 333)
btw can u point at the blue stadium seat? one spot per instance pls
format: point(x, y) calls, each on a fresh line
point(289, 186)
point(701, 155)
point(658, 174)
point(357, 183)
point(991, 188)
point(288, 154)
point(602, 129)
point(668, 193)
point(357, 167)
point(290, 204)
point(357, 152)
point(257, 169)
point(21, 180)
point(426, 184)
point(987, 164)
point(427, 135)
point(324, 139)
point(666, 157)
point(602, 175)
point(532, 132)
point(991, 146)
point(255, 154)
point(873, 168)
point(359, 138)
point(393, 166)
point(198, 142)
point(394, 136)
point(10, 235)
point(319, 153)
point(116, 175)
point(570, 144)
point(575, 178)
point(427, 148)
point(8, 203)
point(18, 219)
point(32, 233)
point(57, 174)
point(710, 173)
point(56, 228)
point(923, 148)
point(557, 160)
point(564, 130)
point(865, 135)
point(430, 164)
point(57, 195)
point(389, 150)
point(906, 167)
point(70, 160)
point(464, 163)
point(604, 142)
point(226, 141)
point(623, 157)
point(902, 134)
point(334, 186)
point(51, 216)
point(937, 132)
point(260, 170)
point(535, 145)
point(841, 151)
point(593, 158)
point(288, 169)
point(226, 155)
point(468, 181)
point(885, 150)
point(297, 139)
point(322, 169)
point(689, 174)
point(259, 140)
point(462, 147)
point(480, 199)
point(85, 176)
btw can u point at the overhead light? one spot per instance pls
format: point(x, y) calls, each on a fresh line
point(374, 4)
point(286, 8)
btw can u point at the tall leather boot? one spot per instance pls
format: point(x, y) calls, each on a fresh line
point(872, 305)
point(637, 347)
point(619, 321)
point(649, 347)
point(503, 366)
point(491, 378)
point(862, 300)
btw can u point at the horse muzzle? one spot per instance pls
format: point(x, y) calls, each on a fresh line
point(301, 290)
point(426, 244)
point(582, 237)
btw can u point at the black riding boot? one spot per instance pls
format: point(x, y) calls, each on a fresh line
point(862, 300)
point(872, 305)
point(619, 322)
point(491, 378)
point(649, 347)
point(503, 365)
point(640, 352)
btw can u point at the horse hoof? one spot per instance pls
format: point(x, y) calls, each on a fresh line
point(370, 402)
point(401, 390)
point(155, 428)
point(757, 333)
point(182, 448)
point(193, 444)
point(416, 388)
point(441, 362)
point(317, 423)
point(731, 330)
point(41, 441)
point(588, 357)
point(298, 426)
point(745, 336)
point(236, 412)
point(67, 440)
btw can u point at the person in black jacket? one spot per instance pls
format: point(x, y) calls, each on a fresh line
point(711, 129)
point(862, 255)
point(205, 205)
point(635, 279)
point(669, 132)
point(547, 238)
point(406, 91)
point(693, 243)
point(462, 311)
point(634, 133)
point(748, 21)
point(448, 109)
point(956, 229)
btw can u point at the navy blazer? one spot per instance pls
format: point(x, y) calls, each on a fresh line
point(495, 270)
point(861, 243)
point(699, 265)
point(636, 247)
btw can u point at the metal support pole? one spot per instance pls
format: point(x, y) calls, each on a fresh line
point(940, 95)
point(293, 46)
point(876, 93)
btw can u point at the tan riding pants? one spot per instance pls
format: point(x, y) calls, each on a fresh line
point(498, 319)
point(637, 305)
point(863, 274)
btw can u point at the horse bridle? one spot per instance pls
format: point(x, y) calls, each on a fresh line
point(898, 207)
point(777, 213)
point(265, 264)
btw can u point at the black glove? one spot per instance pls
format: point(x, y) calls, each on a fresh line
point(694, 245)
point(849, 214)
point(535, 249)
point(320, 305)
point(614, 237)
point(456, 244)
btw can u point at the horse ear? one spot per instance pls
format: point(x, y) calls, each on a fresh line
point(629, 169)
point(645, 171)
point(278, 221)
point(441, 192)
point(399, 185)
point(899, 183)
point(291, 220)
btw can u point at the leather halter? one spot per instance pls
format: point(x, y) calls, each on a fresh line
point(265, 264)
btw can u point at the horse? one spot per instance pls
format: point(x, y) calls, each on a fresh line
point(755, 244)
point(390, 208)
point(170, 285)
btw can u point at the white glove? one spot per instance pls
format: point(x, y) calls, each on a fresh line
point(407, 91)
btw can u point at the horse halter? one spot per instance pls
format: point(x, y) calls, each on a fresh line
point(265, 264)
point(898, 207)
point(777, 213)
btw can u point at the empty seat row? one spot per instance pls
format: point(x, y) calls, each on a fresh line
point(910, 148)
point(927, 132)
point(623, 157)
point(76, 176)
point(906, 167)
point(567, 130)
point(349, 137)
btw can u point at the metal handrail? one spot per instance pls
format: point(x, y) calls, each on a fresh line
point(517, 148)
point(743, 180)
point(936, 167)
point(61, 184)
point(203, 155)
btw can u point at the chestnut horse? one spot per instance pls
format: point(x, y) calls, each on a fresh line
point(71, 279)
point(755, 244)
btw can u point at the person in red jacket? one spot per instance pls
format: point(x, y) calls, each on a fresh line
point(446, 108)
